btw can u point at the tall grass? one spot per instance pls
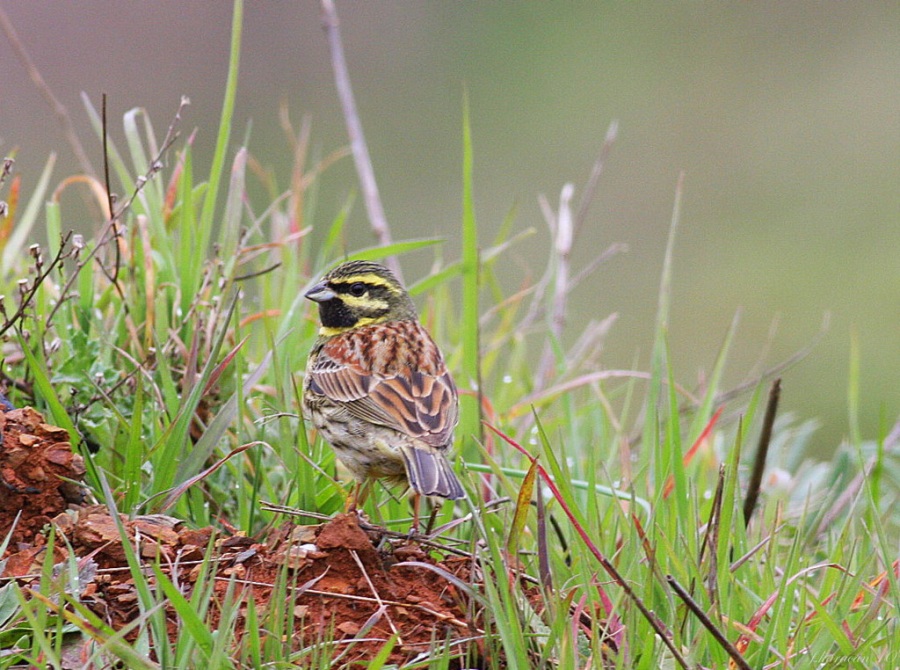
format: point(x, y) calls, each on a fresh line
point(177, 371)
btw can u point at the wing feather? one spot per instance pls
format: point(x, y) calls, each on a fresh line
point(379, 386)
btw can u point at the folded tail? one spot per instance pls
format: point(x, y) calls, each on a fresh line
point(430, 474)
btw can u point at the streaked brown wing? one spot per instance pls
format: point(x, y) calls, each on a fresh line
point(421, 404)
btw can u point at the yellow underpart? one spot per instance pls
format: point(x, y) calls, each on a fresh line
point(324, 331)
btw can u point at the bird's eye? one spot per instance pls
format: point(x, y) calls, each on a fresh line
point(358, 289)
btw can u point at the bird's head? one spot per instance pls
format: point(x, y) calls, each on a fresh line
point(360, 293)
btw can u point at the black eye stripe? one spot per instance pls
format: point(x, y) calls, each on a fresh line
point(356, 288)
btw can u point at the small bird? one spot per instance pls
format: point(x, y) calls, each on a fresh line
point(376, 385)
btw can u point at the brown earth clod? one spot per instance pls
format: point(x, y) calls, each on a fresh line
point(39, 474)
point(355, 587)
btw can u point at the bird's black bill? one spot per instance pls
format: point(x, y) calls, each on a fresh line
point(320, 293)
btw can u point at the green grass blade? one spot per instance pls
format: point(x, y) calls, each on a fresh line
point(470, 380)
point(218, 163)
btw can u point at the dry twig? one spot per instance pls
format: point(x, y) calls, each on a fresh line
point(563, 236)
point(698, 612)
point(62, 114)
point(377, 218)
point(104, 237)
point(27, 290)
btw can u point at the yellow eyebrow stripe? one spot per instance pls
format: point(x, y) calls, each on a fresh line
point(372, 279)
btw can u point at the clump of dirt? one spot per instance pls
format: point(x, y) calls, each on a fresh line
point(349, 585)
point(39, 473)
point(360, 585)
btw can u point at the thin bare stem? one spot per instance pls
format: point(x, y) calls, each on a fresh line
point(590, 189)
point(711, 540)
point(777, 369)
point(102, 238)
point(27, 291)
point(613, 249)
point(844, 500)
point(563, 236)
point(110, 199)
point(564, 229)
point(736, 656)
point(6, 166)
point(563, 248)
point(377, 218)
point(62, 114)
point(381, 606)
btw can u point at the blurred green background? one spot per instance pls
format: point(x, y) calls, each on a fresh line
point(785, 118)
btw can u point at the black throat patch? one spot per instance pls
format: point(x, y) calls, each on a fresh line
point(335, 314)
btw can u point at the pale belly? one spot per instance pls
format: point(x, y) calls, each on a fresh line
point(366, 450)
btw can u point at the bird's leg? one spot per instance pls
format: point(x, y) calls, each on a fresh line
point(357, 497)
point(415, 504)
point(432, 517)
point(352, 499)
